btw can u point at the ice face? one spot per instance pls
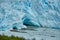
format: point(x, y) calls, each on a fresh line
point(11, 15)
point(39, 13)
point(48, 12)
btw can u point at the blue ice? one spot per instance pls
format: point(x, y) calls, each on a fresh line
point(20, 13)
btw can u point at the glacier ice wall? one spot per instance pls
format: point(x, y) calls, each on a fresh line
point(15, 13)
point(48, 12)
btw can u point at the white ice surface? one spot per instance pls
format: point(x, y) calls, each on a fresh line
point(40, 34)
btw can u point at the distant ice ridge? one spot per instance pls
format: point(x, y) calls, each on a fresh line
point(15, 13)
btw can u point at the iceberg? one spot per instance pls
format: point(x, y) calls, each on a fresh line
point(23, 13)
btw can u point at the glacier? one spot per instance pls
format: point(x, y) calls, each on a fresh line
point(48, 12)
point(24, 13)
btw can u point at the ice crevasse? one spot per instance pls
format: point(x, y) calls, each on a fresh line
point(24, 13)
